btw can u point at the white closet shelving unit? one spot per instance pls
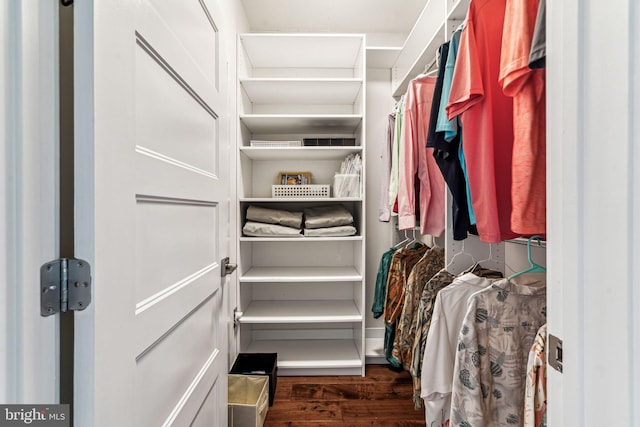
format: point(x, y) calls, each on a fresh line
point(301, 297)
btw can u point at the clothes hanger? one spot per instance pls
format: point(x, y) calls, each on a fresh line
point(406, 239)
point(534, 268)
point(461, 252)
point(428, 69)
point(413, 239)
point(432, 72)
point(477, 264)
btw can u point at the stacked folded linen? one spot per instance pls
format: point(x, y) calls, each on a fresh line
point(260, 229)
point(328, 221)
point(265, 222)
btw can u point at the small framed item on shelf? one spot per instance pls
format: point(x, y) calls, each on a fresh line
point(294, 178)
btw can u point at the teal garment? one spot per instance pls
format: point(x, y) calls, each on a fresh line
point(381, 283)
point(443, 124)
point(451, 128)
point(389, 338)
point(463, 165)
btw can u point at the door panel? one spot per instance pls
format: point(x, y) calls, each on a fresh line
point(169, 364)
point(153, 220)
point(199, 37)
point(166, 111)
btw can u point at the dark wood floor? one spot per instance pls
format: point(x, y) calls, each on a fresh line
point(382, 398)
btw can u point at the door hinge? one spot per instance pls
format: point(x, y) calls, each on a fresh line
point(555, 353)
point(65, 284)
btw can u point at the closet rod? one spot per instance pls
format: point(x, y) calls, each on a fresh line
point(524, 240)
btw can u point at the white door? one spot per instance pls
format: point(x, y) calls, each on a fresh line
point(594, 205)
point(152, 206)
point(28, 199)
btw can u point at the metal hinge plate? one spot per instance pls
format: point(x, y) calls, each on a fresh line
point(65, 284)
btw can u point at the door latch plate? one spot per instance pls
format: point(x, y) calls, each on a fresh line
point(555, 353)
point(227, 267)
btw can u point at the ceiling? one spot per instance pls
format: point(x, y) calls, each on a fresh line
point(372, 17)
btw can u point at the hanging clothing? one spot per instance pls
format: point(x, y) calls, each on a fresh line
point(535, 397)
point(489, 379)
point(452, 128)
point(449, 309)
point(394, 175)
point(423, 320)
point(538, 54)
point(526, 87)
point(445, 154)
point(443, 54)
point(487, 118)
point(380, 293)
point(402, 263)
point(384, 211)
point(416, 158)
point(421, 274)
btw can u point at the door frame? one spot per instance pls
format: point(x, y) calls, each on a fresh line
point(29, 217)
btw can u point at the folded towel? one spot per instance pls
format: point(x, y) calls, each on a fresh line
point(274, 216)
point(340, 231)
point(327, 216)
point(258, 229)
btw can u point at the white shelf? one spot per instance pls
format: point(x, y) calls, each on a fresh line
point(299, 153)
point(321, 124)
point(302, 90)
point(299, 199)
point(301, 274)
point(429, 32)
point(421, 46)
point(457, 10)
point(292, 50)
point(310, 354)
point(300, 239)
point(382, 57)
point(324, 311)
point(422, 60)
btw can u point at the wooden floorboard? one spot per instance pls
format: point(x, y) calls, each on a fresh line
point(384, 398)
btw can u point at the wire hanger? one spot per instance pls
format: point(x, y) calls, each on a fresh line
point(461, 252)
point(534, 268)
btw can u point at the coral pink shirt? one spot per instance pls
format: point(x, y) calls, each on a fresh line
point(416, 157)
point(526, 86)
point(487, 119)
